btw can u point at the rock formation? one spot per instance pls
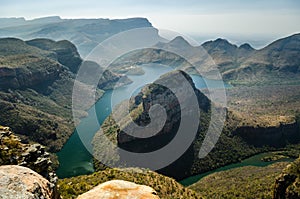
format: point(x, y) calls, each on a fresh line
point(120, 189)
point(287, 185)
point(34, 156)
point(21, 182)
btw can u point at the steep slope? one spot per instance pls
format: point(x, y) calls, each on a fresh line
point(84, 33)
point(36, 82)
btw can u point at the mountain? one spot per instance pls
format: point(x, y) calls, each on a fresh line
point(274, 64)
point(86, 34)
point(177, 53)
point(277, 61)
point(36, 83)
point(227, 55)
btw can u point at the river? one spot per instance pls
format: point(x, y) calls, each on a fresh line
point(74, 158)
point(255, 160)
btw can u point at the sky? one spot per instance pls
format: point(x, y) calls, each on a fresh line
point(239, 19)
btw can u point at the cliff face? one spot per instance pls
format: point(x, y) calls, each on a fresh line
point(236, 142)
point(275, 136)
point(16, 78)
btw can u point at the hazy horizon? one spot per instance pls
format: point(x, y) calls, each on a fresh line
point(258, 22)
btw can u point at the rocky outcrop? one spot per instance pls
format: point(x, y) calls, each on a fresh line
point(33, 156)
point(120, 189)
point(21, 182)
point(287, 185)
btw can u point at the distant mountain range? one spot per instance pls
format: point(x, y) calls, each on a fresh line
point(276, 63)
point(84, 33)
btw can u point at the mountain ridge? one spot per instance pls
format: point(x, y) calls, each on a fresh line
point(86, 34)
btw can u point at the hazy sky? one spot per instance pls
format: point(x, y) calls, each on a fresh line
point(273, 18)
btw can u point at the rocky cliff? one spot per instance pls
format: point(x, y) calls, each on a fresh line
point(275, 136)
point(36, 83)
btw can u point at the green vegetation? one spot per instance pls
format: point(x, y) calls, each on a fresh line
point(167, 188)
point(10, 147)
point(246, 182)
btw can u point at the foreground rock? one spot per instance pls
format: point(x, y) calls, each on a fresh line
point(120, 189)
point(21, 182)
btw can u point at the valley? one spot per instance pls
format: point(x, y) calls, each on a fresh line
point(90, 144)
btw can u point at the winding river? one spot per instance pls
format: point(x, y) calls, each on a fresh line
point(74, 158)
point(255, 160)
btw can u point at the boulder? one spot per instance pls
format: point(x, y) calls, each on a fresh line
point(120, 189)
point(21, 182)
